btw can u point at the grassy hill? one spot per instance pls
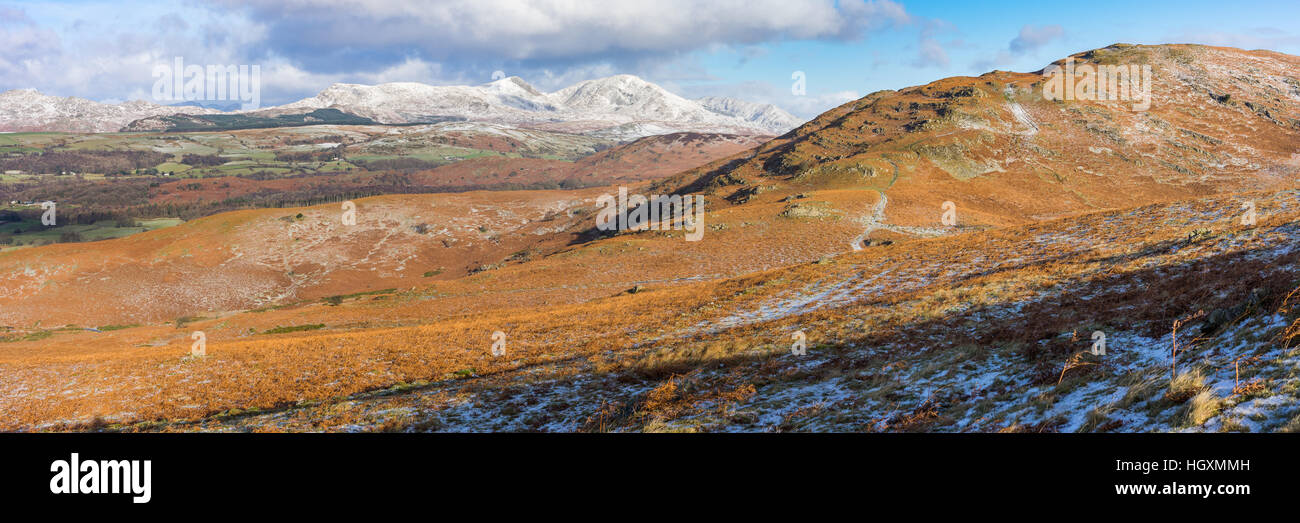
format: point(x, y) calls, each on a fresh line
point(232, 122)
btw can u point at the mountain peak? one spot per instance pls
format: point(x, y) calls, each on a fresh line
point(512, 85)
point(618, 81)
point(27, 94)
point(619, 93)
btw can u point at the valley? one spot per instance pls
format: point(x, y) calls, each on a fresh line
point(162, 178)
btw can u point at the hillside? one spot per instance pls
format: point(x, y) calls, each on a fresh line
point(487, 160)
point(250, 259)
point(983, 331)
point(230, 122)
point(262, 257)
point(647, 158)
point(1221, 120)
point(1073, 218)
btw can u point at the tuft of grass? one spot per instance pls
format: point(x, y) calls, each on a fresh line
point(1096, 418)
point(1233, 425)
point(1141, 389)
point(1203, 406)
point(1291, 426)
point(1185, 386)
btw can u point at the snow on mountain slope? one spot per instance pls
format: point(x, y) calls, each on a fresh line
point(29, 110)
point(626, 96)
point(515, 92)
point(764, 115)
point(507, 100)
point(624, 106)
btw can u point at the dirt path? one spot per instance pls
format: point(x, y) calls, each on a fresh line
point(876, 220)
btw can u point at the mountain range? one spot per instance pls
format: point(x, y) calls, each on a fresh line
point(623, 106)
point(28, 110)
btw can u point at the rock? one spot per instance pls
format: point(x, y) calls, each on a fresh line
point(804, 211)
point(744, 194)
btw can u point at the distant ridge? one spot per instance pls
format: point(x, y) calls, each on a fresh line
point(622, 104)
point(623, 107)
point(30, 110)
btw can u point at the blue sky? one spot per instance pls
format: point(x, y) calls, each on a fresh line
point(105, 50)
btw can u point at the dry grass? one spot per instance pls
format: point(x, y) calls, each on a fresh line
point(1143, 388)
point(934, 285)
point(1185, 386)
point(1097, 418)
point(1291, 426)
point(1203, 406)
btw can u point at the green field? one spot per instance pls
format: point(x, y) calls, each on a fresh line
point(28, 233)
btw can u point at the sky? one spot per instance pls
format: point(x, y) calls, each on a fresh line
point(747, 49)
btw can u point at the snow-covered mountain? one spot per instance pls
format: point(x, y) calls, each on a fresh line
point(628, 99)
point(409, 102)
point(29, 110)
point(622, 106)
point(764, 115)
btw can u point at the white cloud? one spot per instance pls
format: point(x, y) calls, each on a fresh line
point(96, 56)
point(555, 29)
point(1032, 37)
point(931, 53)
point(106, 51)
